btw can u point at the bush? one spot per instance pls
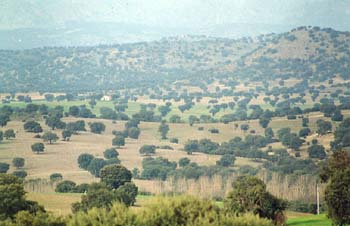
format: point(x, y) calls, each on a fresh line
point(184, 162)
point(66, 135)
point(112, 161)
point(304, 207)
point(316, 151)
point(337, 197)
point(249, 195)
point(118, 214)
point(84, 160)
point(10, 133)
point(38, 147)
point(174, 140)
point(134, 132)
point(20, 173)
point(166, 147)
point(304, 132)
point(33, 127)
point(147, 150)
point(97, 127)
point(13, 198)
point(127, 193)
point(95, 166)
point(50, 137)
point(176, 211)
point(81, 188)
point(4, 167)
point(18, 162)
point(56, 177)
point(226, 160)
point(291, 117)
point(66, 186)
point(115, 176)
point(118, 141)
point(247, 170)
point(213, 130)
point(120, 133)
point(157, 168)
point(110, 153)
point(186, 210)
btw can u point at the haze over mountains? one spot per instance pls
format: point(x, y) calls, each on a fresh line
point(33, 23)
point(97, 33)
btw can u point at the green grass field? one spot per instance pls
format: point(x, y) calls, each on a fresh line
point(311, 220)
point(133, 107)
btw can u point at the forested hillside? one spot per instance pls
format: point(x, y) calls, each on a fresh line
point(309, 52)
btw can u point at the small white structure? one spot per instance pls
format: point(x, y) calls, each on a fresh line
point(106, 98)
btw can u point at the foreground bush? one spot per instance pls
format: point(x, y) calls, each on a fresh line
point(182, 210)
point(166, 211)
point(25, 218)
point(249, 195)
point(117, 215)
point(12, 197)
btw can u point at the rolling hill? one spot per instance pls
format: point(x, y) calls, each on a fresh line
point(304, 52)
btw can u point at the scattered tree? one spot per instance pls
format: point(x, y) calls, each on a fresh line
point(97, 127)
point(84, 160)
point(184, 162)
point(33, 127)
point(18, 162)
point(244, 127)
point(147, 150)
point(163, 129)
point(226, 160)
point(65, 186)
point(20, 173)
point(49, 137)
point(115, 176)
point(4, 167)
point(38, 147)
point(66, 135)
point(134, 132)
point(316, 151)
point(110, 153)
point(323, 127)
point(56, 177)
point(10, 133)
point(95, 166)
point(54, 121)
point(118, 141)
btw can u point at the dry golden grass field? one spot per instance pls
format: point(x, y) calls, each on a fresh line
point(62, 156)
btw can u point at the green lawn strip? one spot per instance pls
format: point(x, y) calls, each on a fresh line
point(312, 220)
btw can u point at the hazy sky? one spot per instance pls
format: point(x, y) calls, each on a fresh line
point(210, 12)
point(177, 13)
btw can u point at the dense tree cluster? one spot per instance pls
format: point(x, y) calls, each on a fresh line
point(94, 165)
point(337, 175)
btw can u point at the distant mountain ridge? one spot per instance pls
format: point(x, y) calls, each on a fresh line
point(108, 33)
point(304, 52)
point(26, 24)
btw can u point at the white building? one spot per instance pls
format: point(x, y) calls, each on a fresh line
point(106, 98)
